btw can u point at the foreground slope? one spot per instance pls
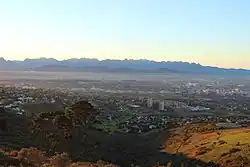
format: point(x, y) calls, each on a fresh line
point(226, 147)
point(80, 147)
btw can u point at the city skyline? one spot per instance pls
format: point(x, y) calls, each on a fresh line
point(213, 33)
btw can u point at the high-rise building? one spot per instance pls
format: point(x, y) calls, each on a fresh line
point(150, 102)
point(161, 105)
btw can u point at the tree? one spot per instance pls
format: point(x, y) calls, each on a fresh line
point(58, 127)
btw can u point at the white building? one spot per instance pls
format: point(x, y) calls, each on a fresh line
point(150, 102)
point(161, 105)
point(228, 125)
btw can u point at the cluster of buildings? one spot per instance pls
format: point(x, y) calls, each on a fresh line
point(16, 99)
point(159, 105)
point(145, 116)
point(144, 124)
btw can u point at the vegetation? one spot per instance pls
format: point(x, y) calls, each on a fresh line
point(225, 147)
point(65, 138)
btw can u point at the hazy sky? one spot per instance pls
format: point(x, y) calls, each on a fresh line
point(210, 32)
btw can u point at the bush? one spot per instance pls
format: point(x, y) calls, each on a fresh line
point(60, 160)
point(31, 156)
point(222, 142)
point(234, 150)
point(203, 150)
point(13, 153)
point(86, 164)
point(223, 154)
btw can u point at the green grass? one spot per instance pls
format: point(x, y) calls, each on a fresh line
point(107, 126)
point(113, 125)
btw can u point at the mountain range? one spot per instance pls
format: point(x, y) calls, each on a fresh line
point(108, 65)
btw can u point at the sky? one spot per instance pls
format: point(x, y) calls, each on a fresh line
point(209, 32)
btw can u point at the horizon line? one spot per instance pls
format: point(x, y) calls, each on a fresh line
point(123, 60)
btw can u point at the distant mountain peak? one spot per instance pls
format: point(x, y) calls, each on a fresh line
point(41, 58)
point(119, 65)
point(2, 59)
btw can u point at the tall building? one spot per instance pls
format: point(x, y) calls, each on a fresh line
point(161, 105)
point(150, 102)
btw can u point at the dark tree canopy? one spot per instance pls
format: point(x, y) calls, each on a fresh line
point(80, 114)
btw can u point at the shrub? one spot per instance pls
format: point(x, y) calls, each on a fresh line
point(31, 156)
point(86, 164)
point(224, 154)
point(203, 150)
point(234, 150)
point(222, 142)
point(13, 153)
point(60, 160)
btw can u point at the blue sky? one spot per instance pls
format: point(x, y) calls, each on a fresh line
point(211, 32)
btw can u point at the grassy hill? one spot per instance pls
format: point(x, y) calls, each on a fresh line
point(225, 147)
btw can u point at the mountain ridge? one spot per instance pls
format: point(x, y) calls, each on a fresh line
point(108, 65)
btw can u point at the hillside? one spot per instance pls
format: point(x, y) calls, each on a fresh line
point(49, 138)
point(225, 147)
point(67, 137)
